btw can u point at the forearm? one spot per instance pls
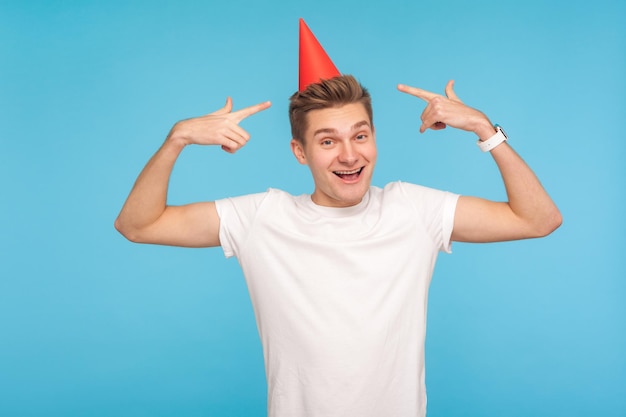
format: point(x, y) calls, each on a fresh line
point(148, 198)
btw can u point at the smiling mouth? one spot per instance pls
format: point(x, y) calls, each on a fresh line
point(349, 175)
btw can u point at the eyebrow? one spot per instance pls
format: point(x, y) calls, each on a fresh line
point(355, 126)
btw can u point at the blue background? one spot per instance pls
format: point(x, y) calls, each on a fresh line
point(92, 325)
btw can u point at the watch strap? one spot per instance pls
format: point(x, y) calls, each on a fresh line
point(493, 141)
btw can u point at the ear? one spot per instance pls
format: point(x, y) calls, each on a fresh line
point(298, 151)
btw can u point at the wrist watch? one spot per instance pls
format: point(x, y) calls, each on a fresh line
point(492, 142)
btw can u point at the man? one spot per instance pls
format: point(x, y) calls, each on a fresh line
point(339, 278)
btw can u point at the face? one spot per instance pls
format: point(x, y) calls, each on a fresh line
point(340, 151)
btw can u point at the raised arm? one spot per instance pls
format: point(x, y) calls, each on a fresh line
point(146, 217)
point(529, 212)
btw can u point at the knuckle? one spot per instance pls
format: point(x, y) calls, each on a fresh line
point(437, 101)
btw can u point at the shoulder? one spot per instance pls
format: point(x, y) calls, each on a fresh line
point(418, 197)
point(252, 202)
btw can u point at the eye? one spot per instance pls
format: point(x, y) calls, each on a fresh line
point(326, 142)
point(361, 136)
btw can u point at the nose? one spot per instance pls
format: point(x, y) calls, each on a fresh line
point(348, 154)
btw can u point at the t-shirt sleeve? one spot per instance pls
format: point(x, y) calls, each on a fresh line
point(436, 210)
point(236, 217)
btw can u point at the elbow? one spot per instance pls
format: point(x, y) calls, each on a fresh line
point(558, 220)
point(126, 231)
point(550, 223)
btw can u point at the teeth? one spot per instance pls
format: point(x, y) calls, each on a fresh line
point(354, 171)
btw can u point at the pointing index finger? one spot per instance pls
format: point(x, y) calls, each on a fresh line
point(249, 111)
point(417, 92)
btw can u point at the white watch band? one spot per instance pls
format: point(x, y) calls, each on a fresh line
point(492, 142)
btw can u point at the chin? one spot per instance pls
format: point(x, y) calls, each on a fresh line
point(353, 198)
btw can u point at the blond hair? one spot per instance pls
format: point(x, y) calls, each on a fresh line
point(335, 92)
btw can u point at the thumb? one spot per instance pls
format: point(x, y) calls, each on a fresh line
point(450, 91)
point(228, 107)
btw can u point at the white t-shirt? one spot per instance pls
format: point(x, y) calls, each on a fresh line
point(340, 295)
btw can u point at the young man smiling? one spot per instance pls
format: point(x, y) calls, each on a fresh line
point(339, 278)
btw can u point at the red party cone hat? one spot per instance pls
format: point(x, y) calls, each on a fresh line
point(315, 65)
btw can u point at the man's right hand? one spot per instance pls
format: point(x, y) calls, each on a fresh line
point(218, 128)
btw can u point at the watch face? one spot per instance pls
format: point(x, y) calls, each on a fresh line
point(499, 129)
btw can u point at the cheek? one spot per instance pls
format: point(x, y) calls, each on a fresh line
point(320, 160)
point(371, 154)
